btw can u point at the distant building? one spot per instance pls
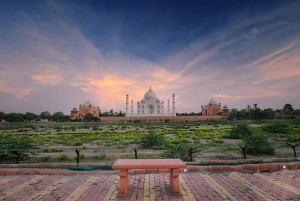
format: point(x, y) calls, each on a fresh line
point(84, 109)
point(213, 108)
point(150, 105)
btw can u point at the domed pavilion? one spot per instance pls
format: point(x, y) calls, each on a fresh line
point(84, 109)
point(150, 105)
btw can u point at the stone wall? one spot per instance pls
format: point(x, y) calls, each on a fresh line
point(159, 118)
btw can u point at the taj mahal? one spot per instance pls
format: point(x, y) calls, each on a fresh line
point(150, 105)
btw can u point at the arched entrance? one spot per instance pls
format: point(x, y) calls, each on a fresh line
point(151, 109)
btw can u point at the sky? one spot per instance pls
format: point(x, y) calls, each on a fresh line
point(57, 54)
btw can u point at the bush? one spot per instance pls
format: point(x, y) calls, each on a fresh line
point(180, 151)
point(240, 130)
point(45, 158)
point(277, 127)
point(293, 138)
point(152, 139)
point(217, 141)
point(257, 143)
point(64, 157)
point(53, 149)
point(78, 143)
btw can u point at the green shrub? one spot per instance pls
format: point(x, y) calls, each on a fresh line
point(240, 130)
point(53, 149)
point(217, 141)
point(277, 127)
point(84, 147)
point(101, 157)
point(45, 158)
point(64, 157)
point(293, 138)
point(151, 139)
point(257, 143)
point(78, 143)
point(224, 135)
point(82, 156)
point(180, 151)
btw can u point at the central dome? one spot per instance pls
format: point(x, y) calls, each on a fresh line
point(150, 95)
point(87, 104)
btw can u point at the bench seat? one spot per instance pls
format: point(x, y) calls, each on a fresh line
point(125, 164)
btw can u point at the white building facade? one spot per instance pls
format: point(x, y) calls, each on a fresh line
point(150, 105)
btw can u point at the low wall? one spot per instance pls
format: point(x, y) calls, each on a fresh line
point(159, 118)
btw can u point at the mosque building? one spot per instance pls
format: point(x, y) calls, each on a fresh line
point(214, 108)
point(84, 109)
point(150, 105)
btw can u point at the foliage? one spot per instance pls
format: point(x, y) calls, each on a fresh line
point(45, 115)
point(78, 143)
point(180, 151)
point(53, 149)
point(60, 117)
point(152, 139)
point(240, 130)
point(16, 148)
point(293, 138)
point(277, 127)
point(14, 117)
point(30, 116)
point(257, 143)
point(89, 117)
point(45, 158)
point(64, 157)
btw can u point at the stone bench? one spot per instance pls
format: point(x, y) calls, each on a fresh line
point(125, 164)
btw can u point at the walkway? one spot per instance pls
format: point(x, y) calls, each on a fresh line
point(282, 185)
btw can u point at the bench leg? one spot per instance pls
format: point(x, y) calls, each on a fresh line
point(174, 181)
point(123, 183)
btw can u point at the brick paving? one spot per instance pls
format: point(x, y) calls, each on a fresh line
point(281, 185)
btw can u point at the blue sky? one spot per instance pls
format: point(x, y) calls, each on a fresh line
point(55, 55)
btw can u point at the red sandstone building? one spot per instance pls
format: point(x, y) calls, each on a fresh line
point(84, 109)
point(213, 108)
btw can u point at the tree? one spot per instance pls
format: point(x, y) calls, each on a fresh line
point(58, 116)
point(2, 115)
point(240, 130)
point(111, 112)
point(12, 147)
point(30, 116)
point(88, 117)
point(152, 140)
point(257, 143)
point(14, 117)
point(45, 115)
point(288, 109)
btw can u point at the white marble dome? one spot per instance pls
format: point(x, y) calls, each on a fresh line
point(150, 95)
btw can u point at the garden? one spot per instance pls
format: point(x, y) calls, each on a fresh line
point(108, 141)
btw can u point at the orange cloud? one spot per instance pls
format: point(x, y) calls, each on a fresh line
point(47, 74)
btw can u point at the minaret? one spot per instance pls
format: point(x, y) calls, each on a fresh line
point(173, 96)
point(127, 104)
point(168, 106)
point(131, 106)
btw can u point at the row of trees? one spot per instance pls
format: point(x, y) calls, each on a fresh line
point(28, 116)
point(256, 113)
point(111, 113)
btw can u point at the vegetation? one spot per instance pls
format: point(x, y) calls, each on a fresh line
point(152, 140)
point(107, 141)
point(16, 148)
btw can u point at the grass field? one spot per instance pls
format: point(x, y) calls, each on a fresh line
point(105, 141)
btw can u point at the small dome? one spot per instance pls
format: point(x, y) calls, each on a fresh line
point(87, 104)
point(212, 102)
point(225, 107)
point(150, 95)
point(74, 109)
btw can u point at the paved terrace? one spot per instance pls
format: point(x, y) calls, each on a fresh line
point(102, 185)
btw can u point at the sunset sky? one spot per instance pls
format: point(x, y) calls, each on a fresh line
point(57, 54)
